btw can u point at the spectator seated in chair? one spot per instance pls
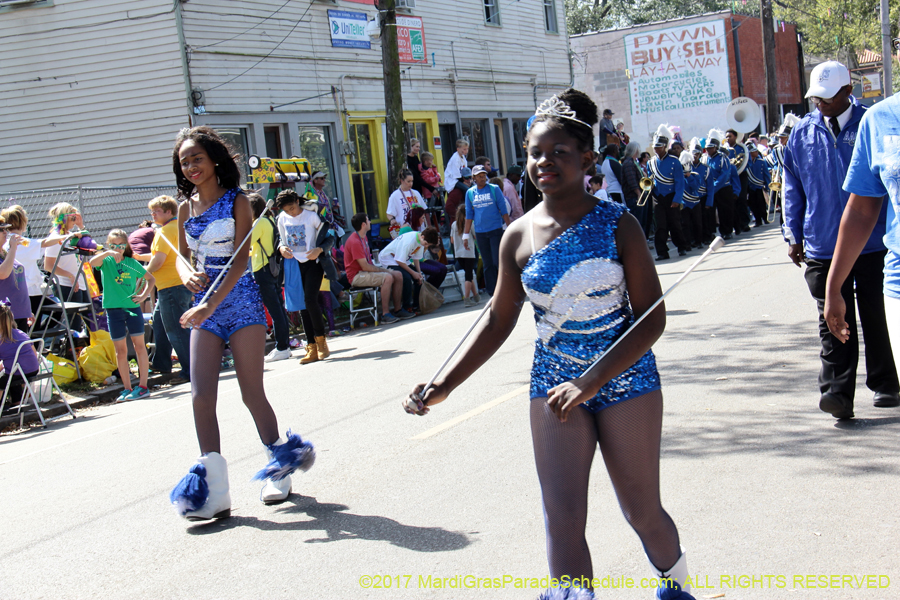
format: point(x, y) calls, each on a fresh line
point(362, 273)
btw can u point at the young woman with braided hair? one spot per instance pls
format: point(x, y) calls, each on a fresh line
point(585, 266)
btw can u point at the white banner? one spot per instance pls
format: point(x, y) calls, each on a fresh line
point(348, 29)
point(679, 76)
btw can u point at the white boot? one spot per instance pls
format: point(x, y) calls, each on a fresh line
point(203, 493)
point(275, 492)
point(677, 587)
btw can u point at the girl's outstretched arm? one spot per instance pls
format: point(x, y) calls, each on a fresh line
point(499, 322)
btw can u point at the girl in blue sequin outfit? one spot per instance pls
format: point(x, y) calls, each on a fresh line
point(213, 219)
point(585, 266)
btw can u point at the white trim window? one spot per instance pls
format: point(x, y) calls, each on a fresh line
point(10, 5)
point(550, 24)
point(492, 12)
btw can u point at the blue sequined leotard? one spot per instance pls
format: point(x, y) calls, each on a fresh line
point(210, 236)
point(576, 284)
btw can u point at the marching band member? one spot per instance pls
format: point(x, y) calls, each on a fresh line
point(758, 182)
point(775, 159)
point(718, 183)
point(737, 153)
point(692, 213)
point(707, 213)
point(668, 189)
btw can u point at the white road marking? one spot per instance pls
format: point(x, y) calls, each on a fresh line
point(472, 413)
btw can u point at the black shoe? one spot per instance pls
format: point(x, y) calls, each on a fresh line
point(838, 405)
point(746, 228)
point(699, 245)
point(662, 257)
point(737, 231)
point(887, 399)
point(682, 252)
point(759, 223)
point(727, 236)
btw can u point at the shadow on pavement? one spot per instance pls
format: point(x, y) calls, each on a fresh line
point(337, 525)
point(764, 402)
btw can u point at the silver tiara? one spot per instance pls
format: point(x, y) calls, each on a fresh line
point(554, 107)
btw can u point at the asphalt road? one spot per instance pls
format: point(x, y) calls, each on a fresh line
point(766, 490)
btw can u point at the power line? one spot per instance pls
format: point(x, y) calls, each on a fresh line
point(248, 30)
point(300, 20)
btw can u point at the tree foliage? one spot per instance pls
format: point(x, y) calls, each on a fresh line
point(595, 15)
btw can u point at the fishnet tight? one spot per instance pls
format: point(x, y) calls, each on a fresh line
point(628, 434)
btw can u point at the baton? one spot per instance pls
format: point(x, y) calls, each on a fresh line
point(416, 405)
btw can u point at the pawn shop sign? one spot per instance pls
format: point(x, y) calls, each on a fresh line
point(411, 39)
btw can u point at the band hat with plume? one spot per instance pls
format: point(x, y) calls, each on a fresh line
point(695, 146)
point(790, 121)
point(662, 137)
point(751, 147)
point(686, 159)
point(554, 107)
point(714, 137)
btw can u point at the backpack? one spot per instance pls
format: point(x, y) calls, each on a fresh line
point(275, 259)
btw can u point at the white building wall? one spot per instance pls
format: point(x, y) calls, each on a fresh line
point(226, 39)
point(91, 92)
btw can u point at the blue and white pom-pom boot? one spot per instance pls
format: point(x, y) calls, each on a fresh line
point(203, 493)
point(676, 585)
point(285, 457)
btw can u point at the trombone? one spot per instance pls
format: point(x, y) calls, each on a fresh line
point(647, 187)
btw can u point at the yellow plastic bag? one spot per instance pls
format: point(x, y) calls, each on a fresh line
point(63, 369)
point(98, 360)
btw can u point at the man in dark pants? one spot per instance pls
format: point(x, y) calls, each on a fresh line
point(736, 151)
point(668, 191)
point(816, 160)
point(718, 184)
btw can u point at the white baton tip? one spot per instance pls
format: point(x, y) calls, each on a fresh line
point(717, 243)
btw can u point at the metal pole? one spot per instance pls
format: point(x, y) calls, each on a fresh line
point(393, 100)
point(768, 39)
point(887, 85)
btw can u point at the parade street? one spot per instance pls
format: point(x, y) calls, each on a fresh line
point(773, 498)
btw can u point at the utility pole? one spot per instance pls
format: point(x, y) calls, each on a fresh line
point(886, 50)
point(768, 40)
point(393, 99)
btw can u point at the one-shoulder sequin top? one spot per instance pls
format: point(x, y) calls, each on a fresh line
point(576, 284)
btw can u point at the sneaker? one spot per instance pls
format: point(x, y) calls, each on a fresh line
point(388, 318)
point(404, 314)
point(178, 380)
point(477, 297)
point(125, 396)
point(469, 303)
point(276, 355)
point(138, 393)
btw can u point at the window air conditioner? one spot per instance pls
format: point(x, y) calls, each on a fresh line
point(406, 4)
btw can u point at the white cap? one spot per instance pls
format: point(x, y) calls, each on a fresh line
point(827, 79)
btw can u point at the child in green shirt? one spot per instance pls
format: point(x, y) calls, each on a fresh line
point(121, 274)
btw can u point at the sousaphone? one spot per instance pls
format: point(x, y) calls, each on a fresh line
point(742, 115)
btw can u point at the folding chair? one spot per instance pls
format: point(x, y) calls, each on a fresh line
point(43, 374)
point(362, 310)
point(452, 269)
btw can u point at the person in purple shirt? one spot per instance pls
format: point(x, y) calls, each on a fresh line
point(13, 285)
point(10, 338)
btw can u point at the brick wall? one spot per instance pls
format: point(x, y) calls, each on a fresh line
point(787, 70)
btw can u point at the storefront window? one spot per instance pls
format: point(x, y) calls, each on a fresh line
point(315, 146)
point(363, 171)
point(474, 132)
point(236, 137)
point(520, 128)
point(418, 131)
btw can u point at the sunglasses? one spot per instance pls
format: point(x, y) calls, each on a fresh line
point(118, 246)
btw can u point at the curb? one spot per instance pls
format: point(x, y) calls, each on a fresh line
point(107, 395)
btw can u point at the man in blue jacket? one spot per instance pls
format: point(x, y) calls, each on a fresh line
point(816, 161)
point(718, 183)
point(757, 183)
point(668, 191)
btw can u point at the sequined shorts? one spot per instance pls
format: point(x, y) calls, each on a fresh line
point(242, 307)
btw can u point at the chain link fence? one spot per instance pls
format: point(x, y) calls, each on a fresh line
point(103, 208)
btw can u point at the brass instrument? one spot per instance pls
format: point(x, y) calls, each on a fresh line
point(775, 186)
point(647, 187)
